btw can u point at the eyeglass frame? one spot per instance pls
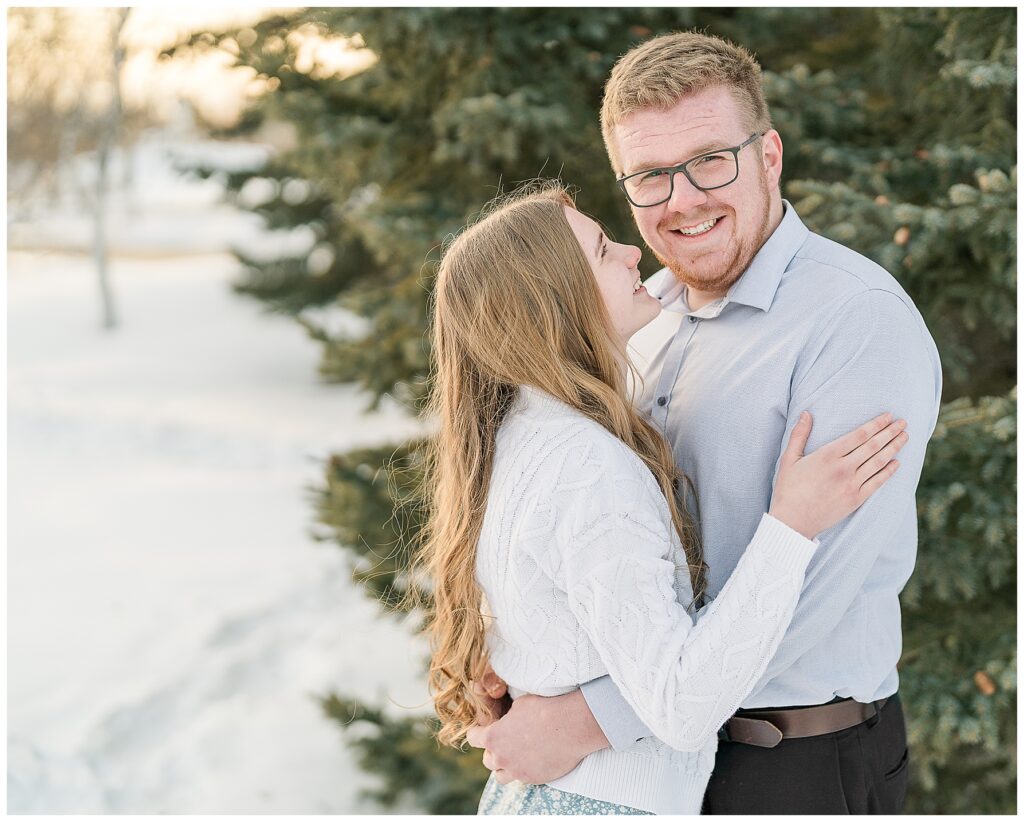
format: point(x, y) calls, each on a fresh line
point(681, 168)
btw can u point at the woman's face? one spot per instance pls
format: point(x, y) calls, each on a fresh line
point(615, 269)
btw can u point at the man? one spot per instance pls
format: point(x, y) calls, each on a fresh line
point(762, 320)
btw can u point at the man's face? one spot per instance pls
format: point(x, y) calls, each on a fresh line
point(712, 260)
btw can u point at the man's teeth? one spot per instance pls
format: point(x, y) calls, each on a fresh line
point(698, 229)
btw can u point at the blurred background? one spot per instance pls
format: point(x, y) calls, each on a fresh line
point(221, 229)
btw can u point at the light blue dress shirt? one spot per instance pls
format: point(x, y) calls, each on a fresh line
point(811, 325)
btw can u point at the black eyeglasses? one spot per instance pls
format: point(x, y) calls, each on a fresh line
point(714, 169)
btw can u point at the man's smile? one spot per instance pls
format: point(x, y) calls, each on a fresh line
point(698, 231)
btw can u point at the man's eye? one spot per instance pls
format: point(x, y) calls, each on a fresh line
point(710, 159)
point(654, 174)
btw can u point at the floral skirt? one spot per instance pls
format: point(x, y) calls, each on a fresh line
point(519, 798)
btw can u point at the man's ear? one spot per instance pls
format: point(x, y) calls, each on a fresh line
point(771, 157)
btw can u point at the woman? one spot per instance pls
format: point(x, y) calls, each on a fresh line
point(556, 541)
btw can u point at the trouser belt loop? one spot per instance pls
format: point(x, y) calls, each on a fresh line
point(876, 715)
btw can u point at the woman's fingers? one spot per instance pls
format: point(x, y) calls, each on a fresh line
point(858, 436)
point(878, 480)
point(879, 452)
point(798, 438)
point(874, 444)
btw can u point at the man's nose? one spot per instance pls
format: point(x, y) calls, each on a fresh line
point(685, 195)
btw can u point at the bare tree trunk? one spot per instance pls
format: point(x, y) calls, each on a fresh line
point(66, 189)
point(128, 176)
point(108, 135)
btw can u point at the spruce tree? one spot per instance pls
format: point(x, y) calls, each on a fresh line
point(899, 131)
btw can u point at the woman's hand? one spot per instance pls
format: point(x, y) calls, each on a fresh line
point(815, 492)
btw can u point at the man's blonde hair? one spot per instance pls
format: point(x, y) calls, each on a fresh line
point(658, 73)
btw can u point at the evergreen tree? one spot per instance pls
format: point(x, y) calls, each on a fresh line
point(899, 128)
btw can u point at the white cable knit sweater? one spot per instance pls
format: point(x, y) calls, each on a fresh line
point(585, 576)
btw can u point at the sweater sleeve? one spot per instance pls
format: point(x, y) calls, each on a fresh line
point(683, 679)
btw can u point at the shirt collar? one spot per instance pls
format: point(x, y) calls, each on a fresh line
point(759, 282)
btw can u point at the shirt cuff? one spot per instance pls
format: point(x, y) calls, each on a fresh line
point(620, 724)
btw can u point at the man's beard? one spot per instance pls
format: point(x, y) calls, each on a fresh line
point(722, 279)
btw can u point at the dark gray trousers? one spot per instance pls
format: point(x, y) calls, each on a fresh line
point(861, 770)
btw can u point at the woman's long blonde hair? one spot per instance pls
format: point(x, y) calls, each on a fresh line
point(515, 302)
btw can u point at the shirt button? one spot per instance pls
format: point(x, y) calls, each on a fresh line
point(693, 319)
point(662, 400)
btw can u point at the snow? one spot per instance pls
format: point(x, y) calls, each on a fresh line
point(170, 618)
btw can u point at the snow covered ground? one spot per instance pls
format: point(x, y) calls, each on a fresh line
point(169, 618)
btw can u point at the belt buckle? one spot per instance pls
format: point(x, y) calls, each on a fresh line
point(750, 731)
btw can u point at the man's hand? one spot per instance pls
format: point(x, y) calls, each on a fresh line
point(539, 739)
point(494, 691)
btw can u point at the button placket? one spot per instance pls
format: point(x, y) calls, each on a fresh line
point(670, 373)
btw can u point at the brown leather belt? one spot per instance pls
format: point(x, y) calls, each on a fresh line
point(766, 729)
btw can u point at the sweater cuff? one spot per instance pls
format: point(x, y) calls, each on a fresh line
point(785, 547)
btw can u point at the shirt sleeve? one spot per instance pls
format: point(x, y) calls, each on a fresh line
point(875, 357)
point(682, 679)
point(619, 723)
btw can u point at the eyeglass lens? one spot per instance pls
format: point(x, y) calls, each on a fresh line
point(709, 171)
